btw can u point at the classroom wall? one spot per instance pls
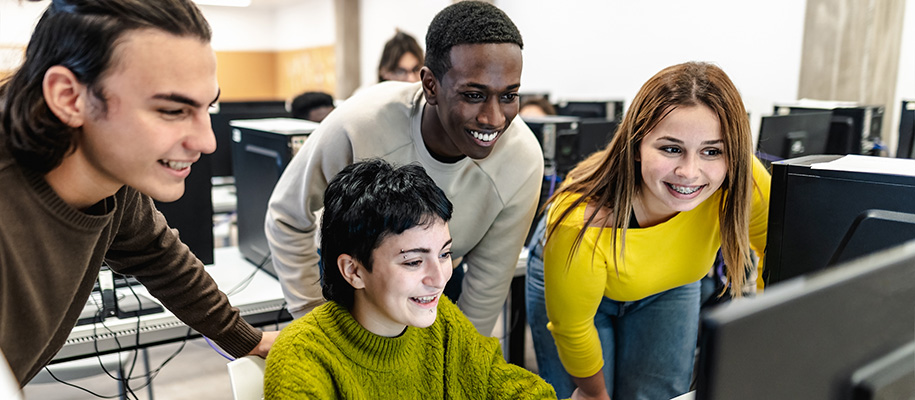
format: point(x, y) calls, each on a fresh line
point(599, 49)
point(575, 49)
point(274, 53)
point(264, 52)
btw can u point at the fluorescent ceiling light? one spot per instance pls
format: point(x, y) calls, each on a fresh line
point(226, 3)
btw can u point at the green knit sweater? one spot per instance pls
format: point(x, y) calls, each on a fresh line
point(328, 355)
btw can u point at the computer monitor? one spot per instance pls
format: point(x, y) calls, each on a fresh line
point(606, 109)
point(792, 135)
point(855, 127)
point(227, 111)
point(906, 147)
point(845, 333)
point(594, 134)
point(818, 217)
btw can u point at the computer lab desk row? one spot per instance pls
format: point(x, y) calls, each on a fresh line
point(259, 298)
point(255, 293)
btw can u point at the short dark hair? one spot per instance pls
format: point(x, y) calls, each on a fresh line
point(466, 22)
point(305, 102)
point(402, 43)
point(81, 36)
point(367, 202)
point(541, 102)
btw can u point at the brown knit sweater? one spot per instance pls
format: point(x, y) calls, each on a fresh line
point(50, 255)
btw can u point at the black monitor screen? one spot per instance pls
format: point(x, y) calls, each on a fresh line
point(609, 109)
point(845, 333)
point(229, 111)
point(793, 135)
point(906, 131)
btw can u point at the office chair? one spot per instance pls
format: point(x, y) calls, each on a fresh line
point(246, 374)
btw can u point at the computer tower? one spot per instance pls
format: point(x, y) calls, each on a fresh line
point(558, 137)
point(855, 127)
point(192, 214)
point(226, 111)
point(818, 217)
point(261, 150)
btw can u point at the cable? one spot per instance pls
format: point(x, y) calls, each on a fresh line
point(128, 391)
point(245, 282)
point(226, 356)
point(279, 315)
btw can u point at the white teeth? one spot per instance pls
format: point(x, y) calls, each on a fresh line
point(485, 137)
point(424, 299)
point(176, 165)
point(685, 189)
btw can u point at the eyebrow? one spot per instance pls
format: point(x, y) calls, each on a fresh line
point(484, 87)
point(180, 98)
point(678, 141)
point(424, 250)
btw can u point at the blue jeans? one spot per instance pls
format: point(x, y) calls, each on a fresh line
point(648, 345)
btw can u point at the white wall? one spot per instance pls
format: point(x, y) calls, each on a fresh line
point(593, 49)
point(610, 48)
point(381, 19)
point(574, 49)
point(302, 24)
point(16, 24)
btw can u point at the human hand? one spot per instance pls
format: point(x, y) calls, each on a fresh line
point(265, 344)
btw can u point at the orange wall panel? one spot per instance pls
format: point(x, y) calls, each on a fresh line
point(311, 69)
point(247, 75)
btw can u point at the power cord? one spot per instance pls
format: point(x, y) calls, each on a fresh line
point(125, 380)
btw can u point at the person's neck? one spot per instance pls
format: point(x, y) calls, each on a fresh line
point(645, 215)
point(74, 183)
point(368, 317)
point(435, 139)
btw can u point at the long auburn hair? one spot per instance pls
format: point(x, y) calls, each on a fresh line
point(611, 177)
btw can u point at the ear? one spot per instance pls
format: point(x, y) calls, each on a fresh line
point(65, 95)
point(430, 85)
point(351, 270)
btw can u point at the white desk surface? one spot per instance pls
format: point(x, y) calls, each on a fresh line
point(260, 295)
point(686, 396)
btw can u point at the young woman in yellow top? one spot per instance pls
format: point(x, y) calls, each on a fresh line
point(636, 226)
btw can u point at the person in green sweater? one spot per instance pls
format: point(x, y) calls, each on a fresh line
point(387, 331)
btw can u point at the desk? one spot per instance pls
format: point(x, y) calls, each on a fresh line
point(260, 302)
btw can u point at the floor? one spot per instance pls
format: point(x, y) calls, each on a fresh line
point(195, 373)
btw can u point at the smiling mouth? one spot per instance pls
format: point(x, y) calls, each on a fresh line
point(483, 136)
point(684, 190)
point(424, 299)
point(176, 165)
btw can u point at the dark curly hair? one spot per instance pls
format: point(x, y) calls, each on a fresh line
point(466, 22)
point(367, 202)
point(80, 35)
